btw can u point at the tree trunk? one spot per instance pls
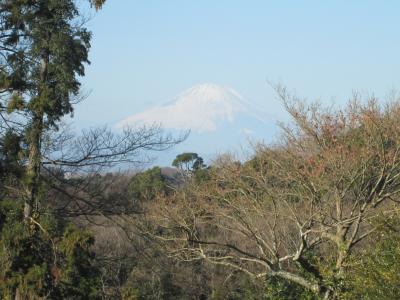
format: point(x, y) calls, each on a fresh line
point(16, 294)
point(34, 139)
point(319, 289)
point(33, 168)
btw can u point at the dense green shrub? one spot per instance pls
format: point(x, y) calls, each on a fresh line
point(46, 258)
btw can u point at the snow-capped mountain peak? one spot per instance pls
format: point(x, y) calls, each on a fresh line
point(200, 108)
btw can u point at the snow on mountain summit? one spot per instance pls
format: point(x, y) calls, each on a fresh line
point(200, 108)
point(211, 93)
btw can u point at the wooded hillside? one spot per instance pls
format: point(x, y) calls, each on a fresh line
point(314, 215)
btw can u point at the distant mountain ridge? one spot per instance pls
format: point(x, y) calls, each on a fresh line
point(199, 108)
point(219, 118)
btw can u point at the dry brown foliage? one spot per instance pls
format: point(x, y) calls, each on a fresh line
point(299, 208)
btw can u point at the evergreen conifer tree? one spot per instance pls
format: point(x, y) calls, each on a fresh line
point(44, 52)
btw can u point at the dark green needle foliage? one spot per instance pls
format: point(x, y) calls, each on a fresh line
point(54, 262)
point(188, 161)
point(44, 50)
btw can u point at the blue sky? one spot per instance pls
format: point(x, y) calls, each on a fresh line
point(147, 52)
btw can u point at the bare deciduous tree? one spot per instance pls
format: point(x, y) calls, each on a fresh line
point(298, 209)
point(75, 167)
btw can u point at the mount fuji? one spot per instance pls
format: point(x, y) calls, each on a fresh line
point(218, 117)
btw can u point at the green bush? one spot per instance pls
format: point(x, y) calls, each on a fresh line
point(46, 258)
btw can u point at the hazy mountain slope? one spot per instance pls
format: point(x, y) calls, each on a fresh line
point(219, 119)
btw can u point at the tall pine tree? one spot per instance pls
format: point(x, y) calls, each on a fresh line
point(43, 53)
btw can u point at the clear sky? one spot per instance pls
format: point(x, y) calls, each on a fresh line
point(148, 51)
